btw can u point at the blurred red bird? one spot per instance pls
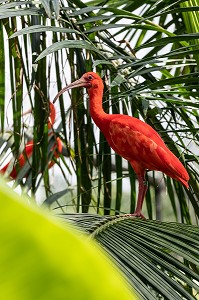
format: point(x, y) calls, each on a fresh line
point(131, 138)
point(28, 150)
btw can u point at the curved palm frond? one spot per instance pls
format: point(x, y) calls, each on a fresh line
point(160, 260)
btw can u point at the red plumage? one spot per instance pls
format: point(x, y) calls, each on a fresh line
point(141, 145)
point(131, 138)
point(28, 150)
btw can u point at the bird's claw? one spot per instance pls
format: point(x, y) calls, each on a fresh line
point(137, 215)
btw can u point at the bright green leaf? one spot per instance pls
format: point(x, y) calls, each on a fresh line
point(42, 259)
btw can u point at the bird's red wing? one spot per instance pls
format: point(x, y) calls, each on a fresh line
point(133, 142)
point(131, 134)
point(137, 141)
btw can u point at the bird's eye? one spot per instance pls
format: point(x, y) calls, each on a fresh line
point(90, 77)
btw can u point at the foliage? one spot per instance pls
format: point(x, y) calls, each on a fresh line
point(147, 55)
point(41, 258)
point(150, 253)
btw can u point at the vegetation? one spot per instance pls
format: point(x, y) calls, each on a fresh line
point(49, 260)
point(147, 55)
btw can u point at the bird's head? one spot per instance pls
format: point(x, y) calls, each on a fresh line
point(89, 80)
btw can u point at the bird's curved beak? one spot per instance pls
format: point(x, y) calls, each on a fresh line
point(78, 83)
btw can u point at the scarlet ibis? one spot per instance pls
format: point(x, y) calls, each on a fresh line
point(20, 160)
point(23, 157)
point(131, 138)
point(52, 115)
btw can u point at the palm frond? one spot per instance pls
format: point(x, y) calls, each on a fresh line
point(160, 260)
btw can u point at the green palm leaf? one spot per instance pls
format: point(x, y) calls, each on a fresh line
point(150, 253)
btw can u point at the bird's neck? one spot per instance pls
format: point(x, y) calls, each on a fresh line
point(96, 110)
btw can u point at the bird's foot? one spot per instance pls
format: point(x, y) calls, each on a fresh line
point(136, 214)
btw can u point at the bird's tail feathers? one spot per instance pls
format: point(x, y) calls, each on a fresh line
point(185, 182)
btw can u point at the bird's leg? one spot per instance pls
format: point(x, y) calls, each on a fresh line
point(142, 189)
